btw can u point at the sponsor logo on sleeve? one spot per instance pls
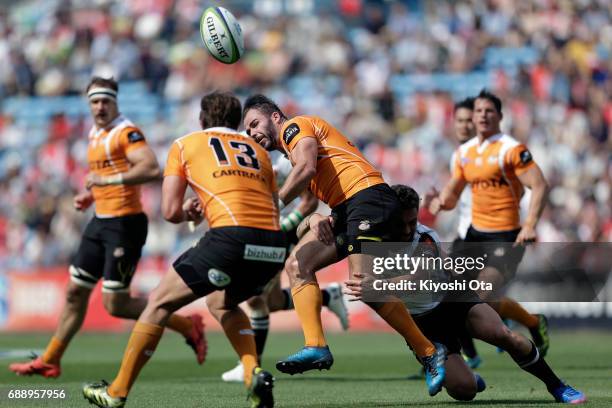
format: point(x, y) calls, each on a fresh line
point(525, 156)
point(289, 133)
point(135, 136)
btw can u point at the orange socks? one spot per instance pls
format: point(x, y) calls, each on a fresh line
point(307, 300)
point(180, 324)
point(238, 330)
point(54, 351)
point(398, 317)
point(140, 348)
point(510, 309)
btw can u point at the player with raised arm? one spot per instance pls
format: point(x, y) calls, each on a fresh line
point(498, 168)
point(274, 297)
point(243, 249)
point(446, 319)
point(119, 161)
point(366, 210)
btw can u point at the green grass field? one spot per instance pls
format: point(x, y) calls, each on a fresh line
point(371, 370)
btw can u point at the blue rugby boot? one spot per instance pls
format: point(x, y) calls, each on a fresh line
point(434, 369)
point(308, 358)
point(481, 385)
point(568, 395)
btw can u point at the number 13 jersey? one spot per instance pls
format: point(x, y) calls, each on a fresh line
point(231, 174)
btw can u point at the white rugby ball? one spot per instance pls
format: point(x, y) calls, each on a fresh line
point(222, 35)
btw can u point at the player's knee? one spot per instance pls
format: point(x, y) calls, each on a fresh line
point(256, 303)
point(156, 300)
point(297, 270)
point(160, 302)
point(114, 306)
point(77, 295)
point(217, 310)
point(461, 394)
point(502, 335)
point(291, 265)
point(462, 389)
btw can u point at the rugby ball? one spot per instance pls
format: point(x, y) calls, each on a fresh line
point(222, 35)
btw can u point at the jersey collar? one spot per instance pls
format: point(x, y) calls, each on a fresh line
point(487, 142)
point(120, 118)
point(221, 129)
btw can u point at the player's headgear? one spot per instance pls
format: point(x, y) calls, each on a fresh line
point(106, 87)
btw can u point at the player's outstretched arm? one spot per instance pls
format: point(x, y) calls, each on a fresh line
point(533, 179)
point(304, 158)
point(447, 199)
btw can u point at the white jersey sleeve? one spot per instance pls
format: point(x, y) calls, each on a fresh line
point(464, 205)
point(524, 205)
point(421, 302)
point(282, 167)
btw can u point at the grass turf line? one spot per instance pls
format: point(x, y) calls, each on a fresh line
point(371, 370)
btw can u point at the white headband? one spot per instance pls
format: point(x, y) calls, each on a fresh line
point(107, 92)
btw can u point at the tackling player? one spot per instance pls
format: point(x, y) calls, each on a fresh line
point(244, 248)
point(119, 161)
point(498, 168)
point(366, 209)
point(445, 321)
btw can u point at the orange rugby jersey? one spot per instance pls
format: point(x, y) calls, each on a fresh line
point(342, 171)
point(231, 174)
point(107, 156)
point(492, 169)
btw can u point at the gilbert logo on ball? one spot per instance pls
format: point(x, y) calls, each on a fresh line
point(222, 35)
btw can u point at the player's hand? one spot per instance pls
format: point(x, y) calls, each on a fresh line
point(322, 226)
point(193, 210)
point(429, 196)
point(357, 286)
point(354, 288)
point(94, 179)
point(435, 206)
point(83, 201)
point(526, 235)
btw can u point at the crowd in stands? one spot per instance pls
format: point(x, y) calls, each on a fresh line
point(385, 73)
